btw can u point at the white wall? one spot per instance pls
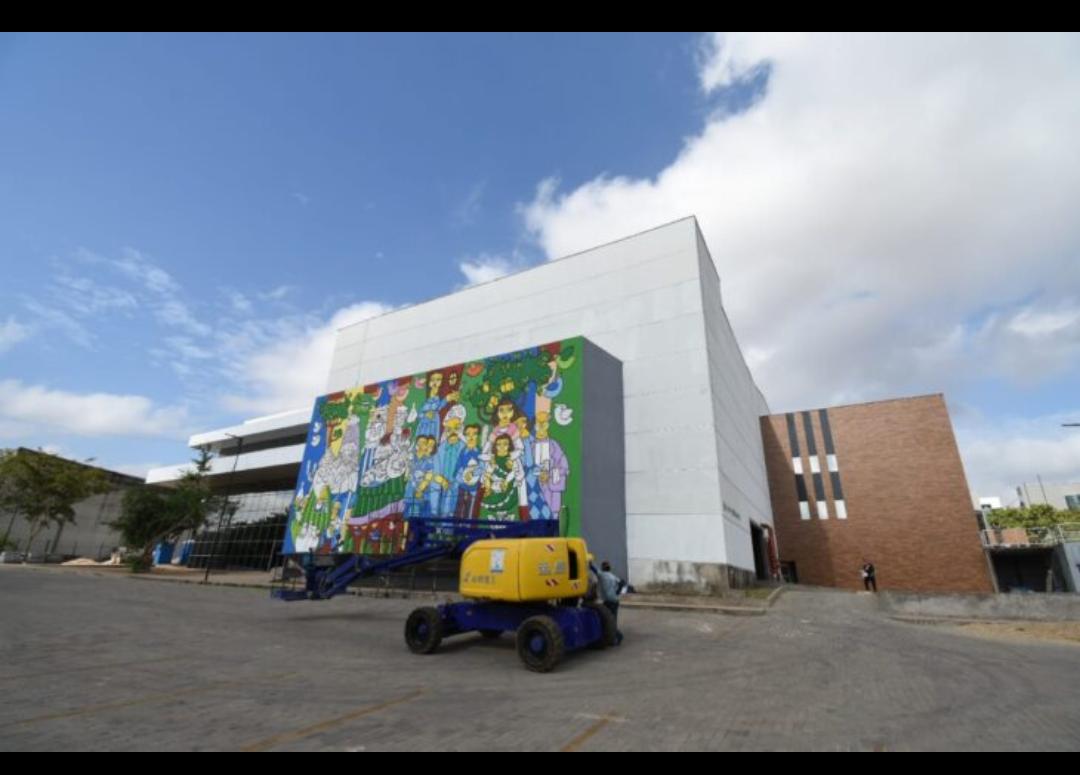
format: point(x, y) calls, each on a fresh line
point(737, 405)
point(1052, 493)
point(641, 299)
point(249, 461)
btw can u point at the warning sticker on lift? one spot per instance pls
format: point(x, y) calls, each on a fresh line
point(498, 560)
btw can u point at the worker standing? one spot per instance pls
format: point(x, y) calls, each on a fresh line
point(610, 586)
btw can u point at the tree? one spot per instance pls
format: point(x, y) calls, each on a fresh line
point(1035, 515)
point(150, 515)
point(43, 488)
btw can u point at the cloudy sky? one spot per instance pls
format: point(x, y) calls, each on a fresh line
point(185, 221)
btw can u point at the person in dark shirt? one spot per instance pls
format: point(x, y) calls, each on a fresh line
point(869, 575)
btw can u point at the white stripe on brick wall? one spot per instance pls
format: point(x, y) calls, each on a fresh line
point(796, 463)
point(841, 510)
point(822, 510)
point(815, 465)
point(804, 509)
point(832, 464)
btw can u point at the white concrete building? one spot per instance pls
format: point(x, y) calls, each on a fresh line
point(1060, 495)
point(695, 471)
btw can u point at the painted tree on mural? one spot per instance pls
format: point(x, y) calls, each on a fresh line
point(513, 376)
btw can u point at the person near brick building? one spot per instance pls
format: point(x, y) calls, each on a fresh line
point(869, 575)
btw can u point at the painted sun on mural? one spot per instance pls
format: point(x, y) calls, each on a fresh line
point(496, 439)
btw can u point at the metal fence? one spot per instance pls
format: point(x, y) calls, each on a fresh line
point(1030, 537)
point(246, 535)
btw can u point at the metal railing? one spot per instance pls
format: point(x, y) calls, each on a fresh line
point(1029, 537)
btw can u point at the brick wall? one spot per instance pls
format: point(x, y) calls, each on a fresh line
point(908, 508)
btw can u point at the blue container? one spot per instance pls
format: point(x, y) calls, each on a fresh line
point(163, 553)
point(186, 549)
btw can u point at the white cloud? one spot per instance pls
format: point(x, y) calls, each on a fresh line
point(231, 352)
point(155, 287)
point(51, 316)
point(87, 297)
point(726, 61)
point(39, 408)
point(1031, 344)
point(135, 265)
point(186, 348)
point(287, 367)
point(1035, 324)
point(11, 333)
point(485, 268)
point(240, 303)
point(867, 211)
point(277, 294)
point(177, 314)
point(1003, 454)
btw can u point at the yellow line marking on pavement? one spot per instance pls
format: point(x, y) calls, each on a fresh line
point(601, 721)
point(88, 709)
point(47, 673)
point(323, 726)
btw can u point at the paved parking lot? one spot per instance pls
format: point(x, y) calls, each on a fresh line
point(91, 662)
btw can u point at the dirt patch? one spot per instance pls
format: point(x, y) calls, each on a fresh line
point(1057, 632)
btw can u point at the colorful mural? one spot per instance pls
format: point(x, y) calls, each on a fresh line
point(493, 439)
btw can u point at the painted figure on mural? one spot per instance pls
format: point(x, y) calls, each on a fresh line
point(335, 530)
point(398, 393)
point(431, 413)
point(467, 475)
point(506, 415)
point(503, 481)
point(337, 469)
point(373, 434)
point(421, 475)
point(321, 508)
point(391, 455)
point(534, 504)
point(546, 469)
point(440, 491)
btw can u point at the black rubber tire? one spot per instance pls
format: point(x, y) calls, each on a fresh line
point(423, 630)
point(607, 625)
point(544, 631)
point(490, 634)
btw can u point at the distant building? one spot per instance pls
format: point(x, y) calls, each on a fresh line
point(704, 467)
point(1060, 495)
point(89, 536)
point(879, 482)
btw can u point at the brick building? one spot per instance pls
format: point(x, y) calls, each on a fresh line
point(881, 481)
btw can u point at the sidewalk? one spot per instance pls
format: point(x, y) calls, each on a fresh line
point(747, 605)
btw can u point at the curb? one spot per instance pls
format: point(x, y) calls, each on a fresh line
point(923, 619)
point(706, 609)
point(773, 597)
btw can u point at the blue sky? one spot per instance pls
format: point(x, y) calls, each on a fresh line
point(157, 191)
point(331, 169)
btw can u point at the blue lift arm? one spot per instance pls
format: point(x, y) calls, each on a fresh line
point(429, 539)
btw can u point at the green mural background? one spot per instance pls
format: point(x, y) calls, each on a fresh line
point(497, 438)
